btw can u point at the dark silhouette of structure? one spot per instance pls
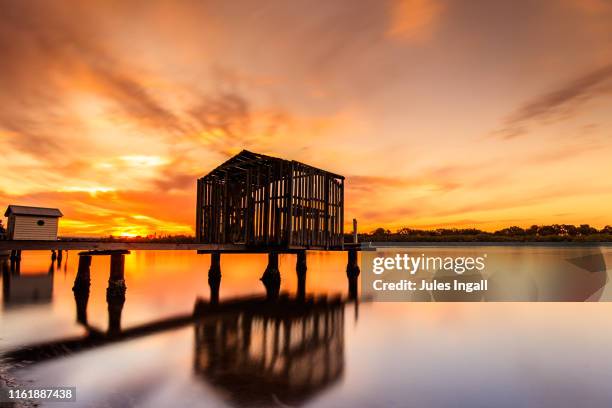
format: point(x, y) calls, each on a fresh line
point(266, 202)
point(19, 289)
point(254, 351)
point(272, 354)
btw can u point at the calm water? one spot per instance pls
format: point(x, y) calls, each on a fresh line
point(336, 355)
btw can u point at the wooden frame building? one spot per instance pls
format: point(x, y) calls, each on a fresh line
point(264, 202)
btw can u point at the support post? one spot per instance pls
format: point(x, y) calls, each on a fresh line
point(59, 258)
point(355, 238)
point(301, 268)
point(16, 254)
point(16, 261)
point(117, 272)
point(271, 276)
point(115, 293)
point(81, 286)
point(214, 276)
point(352, 273)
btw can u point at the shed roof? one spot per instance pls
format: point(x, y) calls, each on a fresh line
point(246, 159)
point(37, 211)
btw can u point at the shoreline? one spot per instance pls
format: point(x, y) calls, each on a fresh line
point(567, 244)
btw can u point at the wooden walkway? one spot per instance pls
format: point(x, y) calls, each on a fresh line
point(117, 250)
point(156, 246)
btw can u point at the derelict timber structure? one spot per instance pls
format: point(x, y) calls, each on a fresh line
point(266, 202)
point(252, 203)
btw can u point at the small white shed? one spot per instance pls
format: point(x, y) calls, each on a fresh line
point(32, 223)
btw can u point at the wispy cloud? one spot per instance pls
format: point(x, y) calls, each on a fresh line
point(558, 103)
point(414, 20)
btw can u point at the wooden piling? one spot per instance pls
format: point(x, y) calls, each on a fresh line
point(352, 273)
point(116, 280)
point(214, 276)
point(15, 255)
point(15, 261)
point(115, 293)
point(271, 277)
point(301, 268)
point(83, 276)
point(117, 267)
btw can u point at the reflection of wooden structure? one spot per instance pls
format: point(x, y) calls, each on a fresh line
point(18, 289)
point(263, 201)
point(283, 352)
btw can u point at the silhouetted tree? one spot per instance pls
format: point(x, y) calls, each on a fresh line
point(586, 229)
point(554, 232)
point(570, 230)
point(511, 231)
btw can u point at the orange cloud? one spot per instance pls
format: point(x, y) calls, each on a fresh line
point(414, 20)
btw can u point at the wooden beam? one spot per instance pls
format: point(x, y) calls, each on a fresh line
point(199, 209)
point(105, 252)
point(290, 216)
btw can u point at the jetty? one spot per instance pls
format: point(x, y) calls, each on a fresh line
point(252, 203)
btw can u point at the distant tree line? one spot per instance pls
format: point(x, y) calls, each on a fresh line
point(177, 239)
point(535, 233)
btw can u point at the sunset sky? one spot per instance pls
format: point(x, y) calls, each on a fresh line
point(439, 113)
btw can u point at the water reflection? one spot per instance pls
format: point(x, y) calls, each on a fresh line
point(168, 349)
point(253, 350)
point(277, 353)
point(18, 289)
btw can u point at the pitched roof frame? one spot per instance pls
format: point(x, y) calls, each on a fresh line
point(247, 159)
point(32, 211)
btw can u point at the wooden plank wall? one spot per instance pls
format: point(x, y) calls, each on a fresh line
point(25, 227)
point(317, 208)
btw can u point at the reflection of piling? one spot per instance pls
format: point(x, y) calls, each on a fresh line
point(81, 286)
point(53, 255)
point(352, 273)
point(59, 258)
point(6, 280)
point(214, 277)
point(271, 276)
point(115, 293)
point(301, 268)
point(247, 322)
point(115, 307)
